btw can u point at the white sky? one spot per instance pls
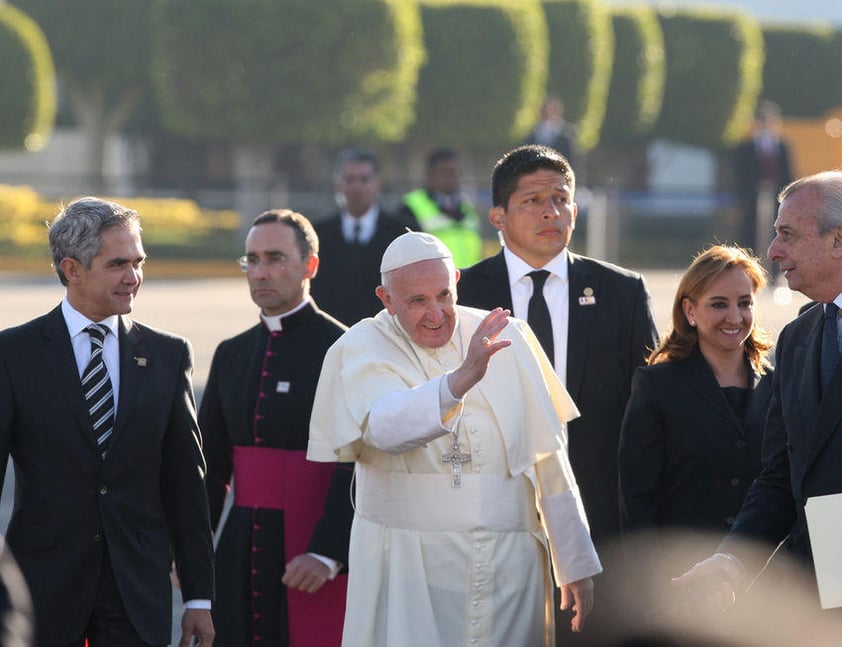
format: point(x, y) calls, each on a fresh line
point(772, 10)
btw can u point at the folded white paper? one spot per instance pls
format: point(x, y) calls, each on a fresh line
point(824, 521)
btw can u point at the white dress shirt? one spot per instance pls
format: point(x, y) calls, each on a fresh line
point(556, 294)
point(367, 223)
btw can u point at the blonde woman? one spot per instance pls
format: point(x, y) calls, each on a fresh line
point(691, 437)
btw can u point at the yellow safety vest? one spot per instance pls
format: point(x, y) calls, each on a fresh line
point(461, 237)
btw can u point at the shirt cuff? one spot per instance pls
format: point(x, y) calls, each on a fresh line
point(332, 564)
point(197, 604)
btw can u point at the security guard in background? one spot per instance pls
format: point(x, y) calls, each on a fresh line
point(442, 210)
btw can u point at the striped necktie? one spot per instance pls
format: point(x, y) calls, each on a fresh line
point(99, 394)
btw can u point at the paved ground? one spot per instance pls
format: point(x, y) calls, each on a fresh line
point(207, 311)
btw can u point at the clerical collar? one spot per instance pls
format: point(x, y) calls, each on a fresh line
point(274, 322)
point(518, 268)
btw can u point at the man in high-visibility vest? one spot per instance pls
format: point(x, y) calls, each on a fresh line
point(442, 210)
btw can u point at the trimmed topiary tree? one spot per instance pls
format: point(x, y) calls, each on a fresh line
point(637, 81)
point(323, 73)
point(801, 72)
point(101, 50)
point(27, 76)
point(485, 74)
point(714, 66)
point(295, 71)
point(581, 55)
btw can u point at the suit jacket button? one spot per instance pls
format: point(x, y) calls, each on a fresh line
point(97, 536)
point(103, 490)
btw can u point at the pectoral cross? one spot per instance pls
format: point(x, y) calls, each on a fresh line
point(456, 458)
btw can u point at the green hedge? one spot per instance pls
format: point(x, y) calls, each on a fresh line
point(581, 54)
point(802, 69)
point(322, 72)
point(27, 79)
point(637, 82)
point(485, 74)
point(714, 65)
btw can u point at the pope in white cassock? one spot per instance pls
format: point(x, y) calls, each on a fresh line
point(456, 421)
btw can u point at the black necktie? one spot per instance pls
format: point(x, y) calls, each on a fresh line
point(830, 344)
point(357, 233)
point(538, 315)
point(99, 394)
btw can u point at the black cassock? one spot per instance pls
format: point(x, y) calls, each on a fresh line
point(257, 402)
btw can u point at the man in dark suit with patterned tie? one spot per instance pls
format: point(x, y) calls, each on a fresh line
point(803, 438)
point(593, 319)
point(101, 425)
point(353, 240)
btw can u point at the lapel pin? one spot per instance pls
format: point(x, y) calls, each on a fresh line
point(282, 387)
point(588, 299)
point(141, 361)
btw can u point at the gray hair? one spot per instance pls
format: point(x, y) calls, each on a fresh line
point(828, 185)
point(77, 230)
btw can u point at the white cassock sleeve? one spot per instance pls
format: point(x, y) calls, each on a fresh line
point(564, 519)
point(404, 420)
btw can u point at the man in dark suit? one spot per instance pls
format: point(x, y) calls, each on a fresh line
point(108, 478)
point(803, 438)
point(354, 239)
point(285, 540)
point(601, 321)
point(761, 170)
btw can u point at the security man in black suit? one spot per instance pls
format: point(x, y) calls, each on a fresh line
point(600, 324)
point(353, 240)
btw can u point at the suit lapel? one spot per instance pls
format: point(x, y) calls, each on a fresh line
point(803, 391)
point(496, 281)
point(579, 321)
point(829, 408)
point(60, 362)
point(133, 363)
point(703, 381)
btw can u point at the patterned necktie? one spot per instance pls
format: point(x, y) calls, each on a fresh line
point(99, 394)
point(830, 344)
point(538, 314)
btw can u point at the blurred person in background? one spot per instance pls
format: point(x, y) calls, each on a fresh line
point(553, 131)
point(761, 169)
point(443, 210)
point(285, 541)
point(353, 240)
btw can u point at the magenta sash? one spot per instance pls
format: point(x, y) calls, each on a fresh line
point(281, 479)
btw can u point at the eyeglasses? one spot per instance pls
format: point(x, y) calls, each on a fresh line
point(273, 260)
